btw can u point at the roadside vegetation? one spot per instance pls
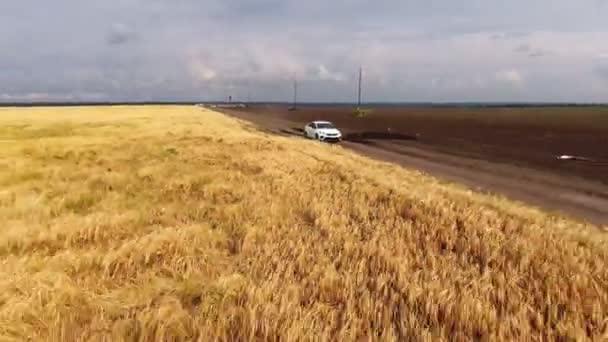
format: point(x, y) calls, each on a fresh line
point(362, 112)
point(177, 223)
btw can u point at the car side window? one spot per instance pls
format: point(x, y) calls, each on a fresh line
point(314, 126)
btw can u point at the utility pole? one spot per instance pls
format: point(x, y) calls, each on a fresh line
point(248, 93)
point(360, 80)
point(295, 94)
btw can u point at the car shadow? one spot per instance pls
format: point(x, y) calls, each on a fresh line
point(299, 132)
point(365, 137)
point(293, 131)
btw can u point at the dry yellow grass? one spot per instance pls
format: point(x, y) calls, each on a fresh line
point(176, 223)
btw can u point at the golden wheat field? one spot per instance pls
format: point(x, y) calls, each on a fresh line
point(175, 223)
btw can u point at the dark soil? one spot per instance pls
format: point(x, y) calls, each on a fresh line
point(530, 137)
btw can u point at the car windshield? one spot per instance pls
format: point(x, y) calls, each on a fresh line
point(325, 125)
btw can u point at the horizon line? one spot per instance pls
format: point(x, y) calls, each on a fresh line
point(193, 102)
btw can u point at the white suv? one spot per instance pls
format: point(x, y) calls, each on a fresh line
point(322, 131)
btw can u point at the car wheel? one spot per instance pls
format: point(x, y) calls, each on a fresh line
point(317, 136)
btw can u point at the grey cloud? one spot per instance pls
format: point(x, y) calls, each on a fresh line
point(537, 53)
point(254, 66)
point(602, 70)
point(530, 51)
point(510, 35)
point(119, 34)
point(246, 9)
point(191, 49)
point(523, 48)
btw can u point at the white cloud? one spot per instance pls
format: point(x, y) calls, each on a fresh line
point(510, 76)
point(26, 97)
point(47, 97)
point(327, 75)
point(201, 72)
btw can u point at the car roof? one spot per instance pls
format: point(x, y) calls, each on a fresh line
point(321, 122)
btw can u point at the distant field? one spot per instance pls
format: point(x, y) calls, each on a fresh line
point(178, 223)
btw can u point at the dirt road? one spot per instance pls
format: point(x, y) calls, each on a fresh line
point(560, 192)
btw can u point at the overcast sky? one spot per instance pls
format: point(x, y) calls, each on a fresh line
point(410, 50)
